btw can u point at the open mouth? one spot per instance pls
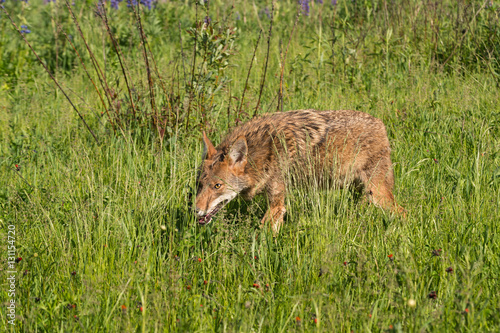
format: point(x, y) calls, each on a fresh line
point(207, 218)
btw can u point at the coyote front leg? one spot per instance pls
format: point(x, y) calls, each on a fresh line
point(276, 210)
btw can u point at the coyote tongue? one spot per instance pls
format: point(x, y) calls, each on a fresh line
point(207, 218)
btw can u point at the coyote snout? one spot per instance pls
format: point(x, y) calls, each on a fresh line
point(218, 182)
point(337, 147)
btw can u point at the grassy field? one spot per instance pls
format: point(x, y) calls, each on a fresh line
point(106, 230)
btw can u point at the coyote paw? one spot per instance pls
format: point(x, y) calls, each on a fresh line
point(274, 218)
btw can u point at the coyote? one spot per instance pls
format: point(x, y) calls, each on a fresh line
point(339, 148)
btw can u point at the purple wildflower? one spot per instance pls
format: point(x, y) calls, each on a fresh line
point(319, 1)
point(147, 3)
point(305, 6)
point(24, 29)
point(99, 7)
point(334, 2)
point(207, 20)
point(115, 3)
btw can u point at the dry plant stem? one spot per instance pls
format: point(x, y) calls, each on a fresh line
point(160, 126)
point(56, 35)
point(156, 69)
point(146, 60)
point(267, 60)
point(182, 54)
point(160, 78)
point(229, 106)
point(435, 37)
point(272, 102)
point(172, 93)
point(283, 61)
point(194, 49)
point(248, 75)
point(332, 27)
point(96, 113)
point(97, 68)
point(118, 54)
point(464, 34)
point(201, 95)
point(17, 172)
point(386, 16)
point(90, 78)
point(50, 74)
point(191, 92)
point(457, 20)
point(207, 5)
point(280, 49)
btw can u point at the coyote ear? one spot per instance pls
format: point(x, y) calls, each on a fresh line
point(208, 148)
point(238, 153)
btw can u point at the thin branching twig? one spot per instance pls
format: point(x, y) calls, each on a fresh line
point(334, 39)
point(229, 106)
point(248, 75)
point(50, 74)
point(191, 92)
point(90, 78)
point(182, 54)
point(97, 68)
point(160, 79)
point(283, 61)
point(272, 102)
point(102, 11)
point(267, 60)
point(136, 10)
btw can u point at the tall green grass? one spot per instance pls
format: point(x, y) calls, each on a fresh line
point(106, 231)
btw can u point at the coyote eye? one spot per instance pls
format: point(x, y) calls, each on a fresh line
point(217, 186)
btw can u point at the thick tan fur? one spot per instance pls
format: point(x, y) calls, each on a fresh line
point(339, 148)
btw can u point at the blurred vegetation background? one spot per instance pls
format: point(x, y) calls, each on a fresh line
point(183, 71)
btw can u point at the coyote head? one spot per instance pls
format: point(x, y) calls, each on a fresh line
point(221, 177)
